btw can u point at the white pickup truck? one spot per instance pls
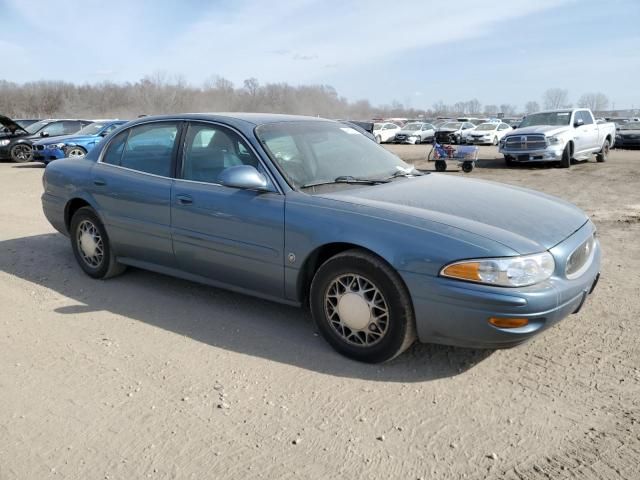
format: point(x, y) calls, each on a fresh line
point(558, 135)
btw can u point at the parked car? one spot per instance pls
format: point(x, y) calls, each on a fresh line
point(628, 135)
point(25, 122)
point(415, 133)
point(49, 149)
point(488, 133)
point(300, 211)
point(385, 132)
point(558, 135)
point(358, 128)
point(453, 132)
point(16, 144)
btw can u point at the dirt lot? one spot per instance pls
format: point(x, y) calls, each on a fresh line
point(145, 376)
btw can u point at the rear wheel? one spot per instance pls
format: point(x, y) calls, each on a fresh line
point(91, 246)
point(603, 155)
point(21, 153)
point(467, 167)
point(441, 165)
point(565, 162)
point(362, 308)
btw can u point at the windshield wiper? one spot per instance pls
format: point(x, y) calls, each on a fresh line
point(348, 179)
point(405, 173)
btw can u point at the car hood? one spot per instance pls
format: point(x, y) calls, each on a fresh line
point(523, 220)
point(548, 130)
point(480, 133)
point(12, 126)
point(447, 130)
point(64, 138)
point(408, 132)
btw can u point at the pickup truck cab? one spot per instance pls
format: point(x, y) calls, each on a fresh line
point(558, 135)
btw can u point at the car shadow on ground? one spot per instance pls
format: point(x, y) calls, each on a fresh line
point(213, 316)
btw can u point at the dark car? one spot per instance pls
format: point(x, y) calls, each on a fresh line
point(360, 128)
point(25, 122)
point(309, 212)
point(628, 135)
point(16, 141)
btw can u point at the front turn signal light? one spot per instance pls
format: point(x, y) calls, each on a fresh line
point(508, 322)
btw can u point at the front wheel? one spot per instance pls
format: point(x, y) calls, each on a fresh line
point(603, 155)
point(91, 245)
point(495, 141)
point(418, 141)
point(362, 307)
point(441, 165)
point(565, 162)
point(75, 152)
point(21, 153)
point(378, 139)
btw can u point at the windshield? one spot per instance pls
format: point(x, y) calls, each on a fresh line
point(630, 126)
point(546, 118)
point(377, 126)
point(91, 129)
point(36, 127)
point(312, 152)
point(487, 126)
point(452, 125)
point(412, 126)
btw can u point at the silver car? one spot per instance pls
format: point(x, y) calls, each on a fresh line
point(415, 133)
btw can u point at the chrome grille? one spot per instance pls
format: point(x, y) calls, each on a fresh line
point(580, 258)
point(525, 142)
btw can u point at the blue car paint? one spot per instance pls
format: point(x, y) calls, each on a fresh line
point(88, 142)
point(243, 240)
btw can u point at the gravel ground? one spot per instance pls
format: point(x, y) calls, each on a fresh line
point(146, 376)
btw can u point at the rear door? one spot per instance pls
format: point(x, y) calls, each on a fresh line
point(132, 184)
point(229, 235)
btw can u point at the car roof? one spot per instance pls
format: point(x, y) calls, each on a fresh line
point(251, 118)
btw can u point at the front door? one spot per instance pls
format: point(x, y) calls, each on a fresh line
point(229, 235)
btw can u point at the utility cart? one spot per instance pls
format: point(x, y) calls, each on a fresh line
point(466, 156)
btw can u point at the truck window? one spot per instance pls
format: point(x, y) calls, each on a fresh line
point(586, 117)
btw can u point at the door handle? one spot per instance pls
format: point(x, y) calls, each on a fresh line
point(184, 199)
point(99, 182)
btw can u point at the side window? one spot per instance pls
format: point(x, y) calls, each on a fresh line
point(111, 128)
point(149, 148)
point(71, 127)
point(114, 151)
point(210, 149)
point(54, 128)
point(586, 117)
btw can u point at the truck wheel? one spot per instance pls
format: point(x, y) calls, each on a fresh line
point(603, 155)
point(509, 161)
point(566, 157)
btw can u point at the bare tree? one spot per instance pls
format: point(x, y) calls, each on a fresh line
point(597, 102)
point(507, 109)
point(531, 107)
point(490, 109)
point(474, 106)
point(441, 108)
point(555, 98)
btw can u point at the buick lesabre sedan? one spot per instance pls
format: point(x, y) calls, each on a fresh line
point(310, 212)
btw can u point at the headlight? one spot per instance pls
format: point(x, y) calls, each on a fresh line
point(553, 140)
point(53, 146)
point(4, 142)
point(503, 272)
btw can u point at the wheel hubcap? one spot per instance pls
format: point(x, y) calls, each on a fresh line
point(23, 152)
point(76, 153)
point(90, 244)
point(356, 310)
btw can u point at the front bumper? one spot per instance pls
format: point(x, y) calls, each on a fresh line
point(627, 142)
point(5, 153)
point(549, 154)
point(47, 155)
point(479, 140)
point(452, 312)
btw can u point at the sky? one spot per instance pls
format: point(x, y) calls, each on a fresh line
point(416, 53)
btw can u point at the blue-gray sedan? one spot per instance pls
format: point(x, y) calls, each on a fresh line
point(310, 212)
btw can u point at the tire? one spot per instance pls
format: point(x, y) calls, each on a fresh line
point(509, 161)
point(378, 139)
point(467, 167)
point(441, 165)
point(495, 141)
point(603, 155)
point(97, 260)
point(352, 281)
point(75, 152)
point(566, 157)
point(418, 141)
point(21, 153)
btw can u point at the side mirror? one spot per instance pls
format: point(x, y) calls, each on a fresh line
point(44, 134)
point(578, 123)
point(103, 134)
point(245, 177)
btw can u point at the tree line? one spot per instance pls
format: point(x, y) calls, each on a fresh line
point(158, 93)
